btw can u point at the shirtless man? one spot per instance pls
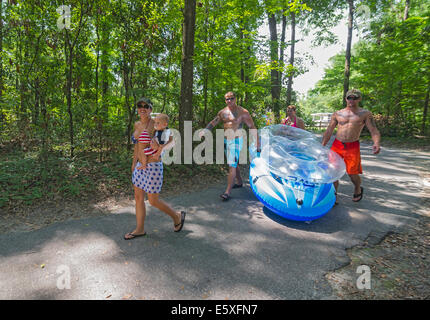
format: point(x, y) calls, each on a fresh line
point(350, 122)
point(233, 117)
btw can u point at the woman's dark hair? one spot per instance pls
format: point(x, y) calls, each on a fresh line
point(142, 101)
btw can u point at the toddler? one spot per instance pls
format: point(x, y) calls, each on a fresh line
point(161, 137)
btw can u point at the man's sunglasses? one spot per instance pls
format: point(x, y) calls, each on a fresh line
point(229, 99)
point(352, 98)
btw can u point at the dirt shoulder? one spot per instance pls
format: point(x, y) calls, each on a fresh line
point(399, 264)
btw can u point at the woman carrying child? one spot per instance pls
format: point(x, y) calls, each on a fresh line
point(149, 179)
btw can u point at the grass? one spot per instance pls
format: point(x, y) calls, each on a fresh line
point(29, 179)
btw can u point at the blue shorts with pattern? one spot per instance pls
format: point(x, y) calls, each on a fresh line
point(232, 150)
point(149, 179)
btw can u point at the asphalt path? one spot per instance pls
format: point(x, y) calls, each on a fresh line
point(227, 250)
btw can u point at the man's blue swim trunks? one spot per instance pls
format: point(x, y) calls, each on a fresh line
point(232, 148)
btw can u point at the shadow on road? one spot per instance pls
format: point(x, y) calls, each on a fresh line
point(227, 250)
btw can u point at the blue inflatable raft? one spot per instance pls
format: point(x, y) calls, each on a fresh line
point(294, 174)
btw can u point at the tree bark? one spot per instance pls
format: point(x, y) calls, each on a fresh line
point(36, 108)
point(406, 13)
point(293, 43)
point(188, 30)
point(69, 72)
point(44, 124)
point(68, 50)
point(96, 82)
point(242, 61)
point(206, 66)
point(274, 60)
point(126, 80)
point(245, 54)
point(104, 63)
point(348, 51)
point(98, 113)
point(1, 50)
point(282, 45)
point(169, 66)
point(22, 85)
point(425, 111)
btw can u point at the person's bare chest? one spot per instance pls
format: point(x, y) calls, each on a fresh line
point(351, 118)
point(140, 127)
point(232, 117)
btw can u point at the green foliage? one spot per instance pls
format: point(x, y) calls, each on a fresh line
point(391, 67)
point(121, 50)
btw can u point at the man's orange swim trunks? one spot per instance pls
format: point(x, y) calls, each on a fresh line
point(350, 152)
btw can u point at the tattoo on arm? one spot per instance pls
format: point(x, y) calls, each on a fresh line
point(371, 125)
point(213, 123)
point(372, 120)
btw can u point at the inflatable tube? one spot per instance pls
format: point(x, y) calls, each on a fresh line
point(294, 174)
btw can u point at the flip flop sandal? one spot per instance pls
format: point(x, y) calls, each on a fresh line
point(225, 197)
point(237, 186)
point(336, 202)
point(181, 224)
point(360, 195)
point(133, 236)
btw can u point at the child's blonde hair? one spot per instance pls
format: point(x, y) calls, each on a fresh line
point(163, 117)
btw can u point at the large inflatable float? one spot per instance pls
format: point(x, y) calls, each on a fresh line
point(293, 175)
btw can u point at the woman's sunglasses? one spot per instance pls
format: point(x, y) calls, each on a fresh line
point(144, 106)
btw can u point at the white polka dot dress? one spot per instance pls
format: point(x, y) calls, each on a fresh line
point(150, 179)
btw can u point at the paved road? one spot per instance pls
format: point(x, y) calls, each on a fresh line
point(227, 250)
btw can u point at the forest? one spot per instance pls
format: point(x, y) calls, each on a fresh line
point(72, 71)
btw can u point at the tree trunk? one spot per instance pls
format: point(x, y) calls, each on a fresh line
point(206, 66)
point(1, 50)
point(282, 45)
point(348, 51)
point(407, 7)
point(188, 30)
point(44, 125)
point(293, 44)
point(245, 54)
point(36, 108)
point(242, 60)
point(127, 96)
point(21, 69)
point(69, 72)
point(68, 52)
point(45, 135)
point(274, 61)
point(96, 82)
point(103, 75)
point(425, 111)
point(98, 113)
point(167, 77)
point(104, 63)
